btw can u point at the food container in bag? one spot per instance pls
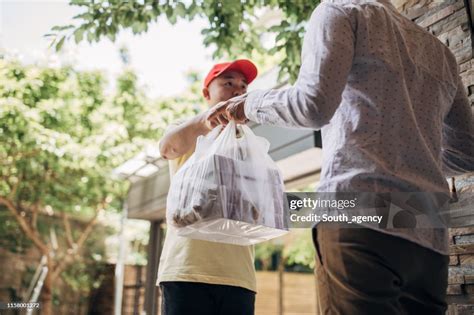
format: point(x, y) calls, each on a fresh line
point(229, 190)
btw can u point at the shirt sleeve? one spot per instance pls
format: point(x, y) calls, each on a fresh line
point(170, 127)
point(458, 136)
point(175, 124)
point(327, 56)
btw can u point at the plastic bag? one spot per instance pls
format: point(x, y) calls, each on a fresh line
point(229, 190)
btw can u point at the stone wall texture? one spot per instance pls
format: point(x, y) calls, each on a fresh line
point(448, 20)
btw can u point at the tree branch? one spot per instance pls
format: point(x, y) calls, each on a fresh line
point(78, 245)
point(13, 190)
point(34, 216)
point(31, 233)
point(67, 227)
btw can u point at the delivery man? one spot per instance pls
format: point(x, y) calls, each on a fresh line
point(195, 276)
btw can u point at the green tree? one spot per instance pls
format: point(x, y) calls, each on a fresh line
point(300, 251)
point(60, 138)
point(234, 28)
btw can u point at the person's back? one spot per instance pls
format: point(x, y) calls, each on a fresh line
point(401, 86)
point(395, 118)
point(394, 114)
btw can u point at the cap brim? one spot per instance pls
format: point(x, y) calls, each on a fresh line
point(244, 66)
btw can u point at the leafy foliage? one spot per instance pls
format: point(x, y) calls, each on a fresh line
point(47, 131)
point(60, 138)
point(265, 254)
point(297, 252)
point(235, 27)
point(301, 250)
point(11, 237)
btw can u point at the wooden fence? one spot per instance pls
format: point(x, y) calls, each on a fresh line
point(289, 294)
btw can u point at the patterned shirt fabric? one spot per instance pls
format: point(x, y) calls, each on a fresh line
point(389, 101)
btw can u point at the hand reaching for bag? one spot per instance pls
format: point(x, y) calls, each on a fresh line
point(232, 109)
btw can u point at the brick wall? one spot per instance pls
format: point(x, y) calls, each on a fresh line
point(449, 22)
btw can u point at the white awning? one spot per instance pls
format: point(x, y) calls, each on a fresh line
point(143, 165)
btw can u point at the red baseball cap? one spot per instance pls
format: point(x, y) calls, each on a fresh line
point(244, 66)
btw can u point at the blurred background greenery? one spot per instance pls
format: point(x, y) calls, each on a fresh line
point(63, 132)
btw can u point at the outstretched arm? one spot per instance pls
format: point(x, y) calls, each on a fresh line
point(328, 51)
point(181, 138)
